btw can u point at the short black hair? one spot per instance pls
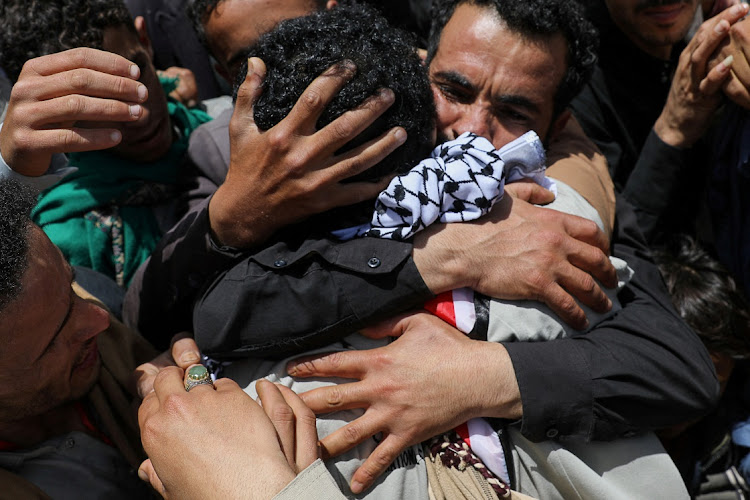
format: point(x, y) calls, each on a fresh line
point(299, 50)
point(16, 202)
point(199, 11)
point(706, 296)
point(34, 28)
point(533, 19)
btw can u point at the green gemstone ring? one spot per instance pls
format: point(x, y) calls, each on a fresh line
point(197, 375)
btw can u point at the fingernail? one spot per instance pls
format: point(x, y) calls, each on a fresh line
point(291, 369)
point(725, 64)
point(135, 71)
point(348, 64)
point(142, 475)
point(142, 92)
point(357, 487)
point(250, 66)
point(739, 8)
point(387, 95)
point(135, 110)
point(400, 135)
point(190, 357)
point(116, 136)
point(721, 27)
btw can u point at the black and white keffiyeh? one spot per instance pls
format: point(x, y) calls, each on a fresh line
point(461, 181)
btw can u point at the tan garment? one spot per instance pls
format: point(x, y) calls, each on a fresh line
point(575, 160)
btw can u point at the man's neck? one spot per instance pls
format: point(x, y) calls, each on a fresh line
point(34, 430)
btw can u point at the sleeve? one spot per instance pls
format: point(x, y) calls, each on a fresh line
point(294, 296)
point(655, 183)
point(644, 368)
point(314, 483)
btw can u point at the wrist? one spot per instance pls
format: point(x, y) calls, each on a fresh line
point(669, 134)
point(232, 222)
point(502, 397)
point(436, 259)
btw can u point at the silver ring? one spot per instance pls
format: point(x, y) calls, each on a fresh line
point(197, 375)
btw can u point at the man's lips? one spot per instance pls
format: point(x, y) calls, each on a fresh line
point(665, 14)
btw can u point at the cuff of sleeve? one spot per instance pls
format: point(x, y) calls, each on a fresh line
point(555, 384)
point(314, 483)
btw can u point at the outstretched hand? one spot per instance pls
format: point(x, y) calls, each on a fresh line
point(519, 251)
point(56, 91)
point(290, 172)
point(426, 382)
point(695, 93)
point(220, 443)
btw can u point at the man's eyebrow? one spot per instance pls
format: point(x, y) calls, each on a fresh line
point(455, 78)
point(515, 100)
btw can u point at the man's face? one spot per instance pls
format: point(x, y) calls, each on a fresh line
point(235, 25)
point(653, 25)
point(149, 137)
point(48, 336)
point(491, 81)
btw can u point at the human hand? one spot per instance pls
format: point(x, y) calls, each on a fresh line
point(55, 91)
point(736, 45)
point(186, 91)
point(519, 251)
point(426, 382)
point(182, 353)
point(288, 172)
point(694, 94)
point(222, 444)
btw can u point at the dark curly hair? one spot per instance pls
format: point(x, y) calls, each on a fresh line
point(16, 201)
point(299, 50)
point(706, 296)
point(533, 19)
point(33, 28)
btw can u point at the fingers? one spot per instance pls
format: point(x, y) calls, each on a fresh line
point(313, 101)
point(281, 415)
point(305, 431)
point(248, 93)
point(367, 155)
point(147, 473)
point(588, 232)
point(377, 463)
point(392, 327)
point(98, 60)
point(349, 436)
point(530, 192)
point(716, 77)
point(184, 350)
point(336, 397)
point(84, 81)
point(199, 387)
point(348, 364)
point(74, 140)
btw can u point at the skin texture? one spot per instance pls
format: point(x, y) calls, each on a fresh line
point(235, 25)
point(695, 93)
point(49, 359)
point(654, 28)
point(54, 93)
point(274, 441)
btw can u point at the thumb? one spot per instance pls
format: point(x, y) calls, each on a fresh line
point(530, 192)
point(147, 473)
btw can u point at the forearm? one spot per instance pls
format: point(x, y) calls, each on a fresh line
point(641, 369)
point(161, 295)
point(297, 295)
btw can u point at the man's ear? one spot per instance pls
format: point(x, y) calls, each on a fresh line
point(140, 28)
point(558, 125)
point(331, 4)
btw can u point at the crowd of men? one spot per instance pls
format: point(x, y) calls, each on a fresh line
point(174, 177)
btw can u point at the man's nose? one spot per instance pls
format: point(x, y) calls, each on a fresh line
point(477, 121)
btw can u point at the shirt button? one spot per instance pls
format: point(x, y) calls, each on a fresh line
point(552, 433)
point(374, 262)
point(280, 263)
point(70, 442)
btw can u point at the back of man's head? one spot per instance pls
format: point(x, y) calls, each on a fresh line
point(299, 50)
point(34, 28)
point(706, 296)
point(16, 201)
point(533, 19)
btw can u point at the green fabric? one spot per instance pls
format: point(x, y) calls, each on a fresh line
point(102, 180)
